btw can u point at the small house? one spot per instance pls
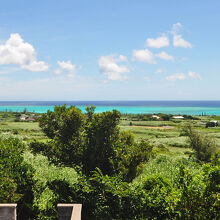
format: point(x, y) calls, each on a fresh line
point(212, 124)
point(23, 117)
point(178, 117)
point(156, 117)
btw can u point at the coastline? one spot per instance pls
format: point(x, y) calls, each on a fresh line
point(125, 107)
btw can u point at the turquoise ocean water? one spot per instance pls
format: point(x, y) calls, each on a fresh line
point(129, 107)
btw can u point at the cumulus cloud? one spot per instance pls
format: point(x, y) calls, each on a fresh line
point(178, 41)
point(164, 56)
point(108, 65)
point(16, 51)
point(66, 68)
point(182, 76)
point(123, 58)
point(144, 56)
point(159, 42)
point(35, 66)
point(177, 76)
point(176, 28)
point(194, 75)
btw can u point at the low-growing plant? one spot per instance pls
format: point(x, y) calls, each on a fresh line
point(203, 145)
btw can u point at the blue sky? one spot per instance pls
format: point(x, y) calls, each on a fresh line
point(109, 50)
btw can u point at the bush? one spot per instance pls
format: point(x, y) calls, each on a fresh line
point(199, 194)
point(203, 145)
point(16, 180)
point(131, 156)
point(190, 196)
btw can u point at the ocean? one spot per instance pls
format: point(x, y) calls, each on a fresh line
point(125, 107)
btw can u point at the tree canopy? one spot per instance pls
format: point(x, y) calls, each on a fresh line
point(89, 141)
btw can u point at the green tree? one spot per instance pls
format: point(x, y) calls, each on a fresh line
point(64, 127)
point(16, 177)
point(90, 141)
point(203, 145)
point(63, 124)
point(130, 155)
point(101, 136)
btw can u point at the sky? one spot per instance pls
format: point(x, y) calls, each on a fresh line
point(109, 50)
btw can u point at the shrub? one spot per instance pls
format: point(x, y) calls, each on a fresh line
point(199, 194)
point(16, 180)
point(203, 145)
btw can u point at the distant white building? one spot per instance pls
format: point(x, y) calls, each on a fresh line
point(216, 122)
point(212, 123)
point(156, 116)
point(178, 117)
point(23, 117)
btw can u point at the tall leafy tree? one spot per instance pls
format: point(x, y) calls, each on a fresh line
point(90, 141)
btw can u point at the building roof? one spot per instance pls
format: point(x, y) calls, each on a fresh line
point(178, 117)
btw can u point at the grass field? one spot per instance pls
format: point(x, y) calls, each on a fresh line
point(166, 136)
point(26, 131)
point(162, 133)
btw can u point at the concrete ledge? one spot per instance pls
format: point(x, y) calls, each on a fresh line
point(69, 211)
point(8, 211)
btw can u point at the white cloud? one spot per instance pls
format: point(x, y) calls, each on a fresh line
point(176, 28)
point(16, 51)
point(67, 65)
point(109, 66)
point(164, 56)
point(177, 76)
point(36, 66)
point(66, 68)
point(194, 75)
point(182, 76)
point(178, 41)
point(159, 42)
point(123, 58)
point(144, 56)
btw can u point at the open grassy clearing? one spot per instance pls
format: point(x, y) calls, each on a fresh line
point(25, 131)
point(166, 133)
point(167, 136)
point(167, 166)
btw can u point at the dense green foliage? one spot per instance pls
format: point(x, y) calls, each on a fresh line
point(190, 196)
point(88, 159)
point(91, 141)
point(203, 145)
point(16, 177)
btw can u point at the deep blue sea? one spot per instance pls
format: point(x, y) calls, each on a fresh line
point(129, 107)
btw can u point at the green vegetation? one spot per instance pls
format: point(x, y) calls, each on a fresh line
point(16, 177)
point(118, 167)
